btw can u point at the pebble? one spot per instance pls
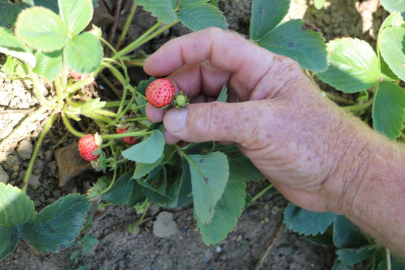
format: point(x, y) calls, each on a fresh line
point(4, 178)
point(34, 181)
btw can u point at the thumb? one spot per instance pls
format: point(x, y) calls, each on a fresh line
point(214, 121)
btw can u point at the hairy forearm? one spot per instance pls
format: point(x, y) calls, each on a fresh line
point(376, 201)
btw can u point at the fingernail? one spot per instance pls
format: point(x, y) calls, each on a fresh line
point(175, 120)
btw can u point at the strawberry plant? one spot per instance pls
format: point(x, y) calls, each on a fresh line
point(45, 42)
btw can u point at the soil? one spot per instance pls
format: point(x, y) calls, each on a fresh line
point(182, 247)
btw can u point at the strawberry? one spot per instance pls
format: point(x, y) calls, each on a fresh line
point(127, 140)
point(160, 93)
point(87, 145)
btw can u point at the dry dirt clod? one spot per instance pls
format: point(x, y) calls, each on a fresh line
point(164, 226)
point(3, 176)
point(24, 149)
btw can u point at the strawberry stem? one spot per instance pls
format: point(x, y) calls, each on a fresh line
point(69, 126)
point(127, 25)
point(128, 134)
point(36, 150)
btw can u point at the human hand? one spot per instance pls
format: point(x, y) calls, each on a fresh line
point(303, 143)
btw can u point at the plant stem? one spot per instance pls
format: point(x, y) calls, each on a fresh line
point(180, 150)
point(106, 113)
point(127, 25)
point(79, 85)
point(69, 126)
point(114, 27)
point(37, 89)
point(145, 38)
point(134, 63)
point(124, 111)
point(59, 94)
point(132, 228)
point(112, 182)
point(133, 45)
point(388, 258)
point(129, 134)
point(152, 36)
point(36, 150)
point(260, 263)
point(15, 79)
point(359, 107)
point(340, 99)
point(134, 119)
point(261, 193)
point(114, 104)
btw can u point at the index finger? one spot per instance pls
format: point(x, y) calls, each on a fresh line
point(226, 52)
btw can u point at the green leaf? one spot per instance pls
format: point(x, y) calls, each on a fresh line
point(244, 170)
point(394, 5)
point(143, 169)
point(299, 41)
point(121, 190)
point(10, 67)
point(51, 4)
point(88, 242)
point(76, 14)
point(392, 49)
point(202, 17)
point(223, 96)
point(181, 190)
point(353, 66)
point(227, 211)
point(83, 53)
point(388, 109)
point(396, 264)
point(8, 15)
point(306, 222)
point(183, 4)
point(352, 256)
point(163, 9)
point(346, 234)
point(149, 150)
point(15, 206)
point(12, 46)
point(319, 4)
point(140, 100)
point(168, 153)
point(266, 15)
point(137, 195)
point(49, 33)
point(209, 175)
point(57, 225)
point(9, 236)
point(48, 65)
point(153, 194)
point(325, 239)
point(92, 105)
point(248, 200)
point(394, 20)
point(338, 265)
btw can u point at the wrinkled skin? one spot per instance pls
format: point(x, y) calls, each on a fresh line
point(317, 156)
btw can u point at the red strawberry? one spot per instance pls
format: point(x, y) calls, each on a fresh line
point(87, 145)
point(127, 140)
point(160, 93)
